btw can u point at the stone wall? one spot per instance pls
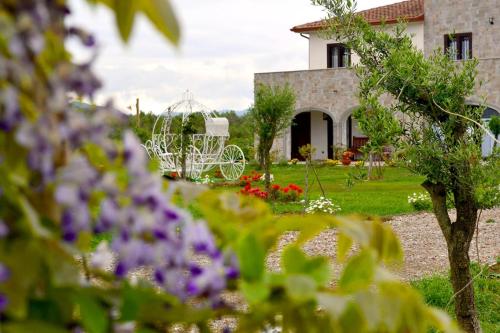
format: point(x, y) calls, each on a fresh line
point(448, 16)
point(444, 17)
point(332, 91)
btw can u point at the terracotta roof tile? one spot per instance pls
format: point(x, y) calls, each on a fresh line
point(411, 10)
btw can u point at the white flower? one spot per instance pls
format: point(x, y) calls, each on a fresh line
point(322, 205)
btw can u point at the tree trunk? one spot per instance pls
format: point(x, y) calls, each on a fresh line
point(458, 236)
point(461, 279)
point(370, 166)
point(267, 171)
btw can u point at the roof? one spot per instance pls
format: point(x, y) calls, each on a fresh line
point(411, 11)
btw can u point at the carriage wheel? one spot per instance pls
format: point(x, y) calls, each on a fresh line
point(232, 163)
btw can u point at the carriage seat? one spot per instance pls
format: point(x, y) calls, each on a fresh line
point(217, 126)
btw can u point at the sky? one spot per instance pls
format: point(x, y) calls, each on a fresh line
point(223, 43)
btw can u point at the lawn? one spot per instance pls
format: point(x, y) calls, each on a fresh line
point(437, 292)
point(386, 197)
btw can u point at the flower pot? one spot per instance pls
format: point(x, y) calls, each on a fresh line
point(346, 161)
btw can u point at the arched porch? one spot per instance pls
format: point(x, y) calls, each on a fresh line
point(487, 143)
point(312, 127)
point(351, 136)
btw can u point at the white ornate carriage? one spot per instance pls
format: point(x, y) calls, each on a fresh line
point(203, 151)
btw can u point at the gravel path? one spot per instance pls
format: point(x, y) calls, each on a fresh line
point(423, 244)
point(424, 251)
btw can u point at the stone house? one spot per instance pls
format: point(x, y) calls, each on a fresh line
point(327, 91)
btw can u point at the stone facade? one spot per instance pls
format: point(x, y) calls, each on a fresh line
point(331, 91)
point(463, 16)
point(334, 91)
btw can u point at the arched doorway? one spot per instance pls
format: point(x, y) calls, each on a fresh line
point(315, 128)
point(355, 139)
point(487, 144)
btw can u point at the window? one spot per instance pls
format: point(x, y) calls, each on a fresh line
point(458, 46)
point(338, 56)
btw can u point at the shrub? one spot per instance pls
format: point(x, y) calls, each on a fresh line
point(420, 201)
point(322, 205)
point(253, 177)
point(250, 191)
point(330, 162)
point(359, 164)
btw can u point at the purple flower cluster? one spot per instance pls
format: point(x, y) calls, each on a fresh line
point(132, 203)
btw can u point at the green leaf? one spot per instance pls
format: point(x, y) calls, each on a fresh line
point(344, 244)
point(32, 218)
point(23, 258)
point(138, 300)
point(251, 255)
point(296, 262)
point(255, 292)
point(124, 15)
point(300, 287)
point(359, 272)
point(352, 320)
point(293, 260)
point(335, 305)
point(161, 15)
point(443, 322)
point(94, 315)
point(31, 326)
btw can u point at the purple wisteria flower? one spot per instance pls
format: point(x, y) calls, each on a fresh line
point(130, 203)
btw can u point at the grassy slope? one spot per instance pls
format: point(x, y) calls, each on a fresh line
point(383, 198)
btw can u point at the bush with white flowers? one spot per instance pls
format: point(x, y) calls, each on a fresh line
point(420, 201)
point(322, 205)
point(263, 178)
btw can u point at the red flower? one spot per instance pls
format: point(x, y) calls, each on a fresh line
point(276, 187)
point(286, 189)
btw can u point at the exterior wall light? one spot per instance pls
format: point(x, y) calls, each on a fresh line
point(492, 20)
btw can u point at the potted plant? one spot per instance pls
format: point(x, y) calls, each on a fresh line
point(347, 157)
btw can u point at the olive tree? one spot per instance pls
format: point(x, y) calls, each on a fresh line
point(271, 115)
point(442, 137)
point(66, 184)
point(382, 130)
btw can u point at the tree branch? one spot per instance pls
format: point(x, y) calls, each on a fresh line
point(438, 196)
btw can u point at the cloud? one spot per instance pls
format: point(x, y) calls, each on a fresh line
point(224, 42)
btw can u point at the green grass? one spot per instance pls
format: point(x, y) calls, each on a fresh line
point(437, 291)
point(386, 197)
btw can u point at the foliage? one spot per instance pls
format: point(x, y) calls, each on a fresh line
point(322, 205)
point(65, 181)
point(290, 193)
point(494, 125)
point(253, 177)
point(442, 134)
point(420, 201)
point(289, 298)
point(241, 132)
point(271, 114)
point(158, 12)
point(437, 291)
point(330, 162)
point(256, 192)
point(382, 129)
